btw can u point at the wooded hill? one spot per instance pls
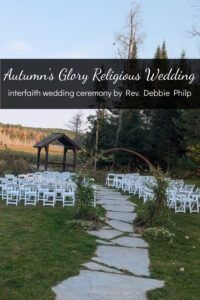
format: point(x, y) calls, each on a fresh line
point(12, 136)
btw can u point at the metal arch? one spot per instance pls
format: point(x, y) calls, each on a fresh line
point(90, 160)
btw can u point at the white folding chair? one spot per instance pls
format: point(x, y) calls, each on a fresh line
point(30, 196)
point(12, 196)
point(68, 195)
point(49, 197)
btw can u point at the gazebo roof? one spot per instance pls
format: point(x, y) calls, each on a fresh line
point(61, 137)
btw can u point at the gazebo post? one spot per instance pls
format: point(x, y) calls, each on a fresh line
point(64, 158)
point(46, 157)
point(75, 157)
point(38, 158)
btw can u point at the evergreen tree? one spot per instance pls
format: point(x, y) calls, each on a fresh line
point(161, 52)
point(166, 139)
point(158, 54)
point(164, 51)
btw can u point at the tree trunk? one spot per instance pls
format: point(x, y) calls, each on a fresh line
point(96, 142)
point(119, 127)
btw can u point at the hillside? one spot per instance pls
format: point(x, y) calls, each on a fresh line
point(17, 137)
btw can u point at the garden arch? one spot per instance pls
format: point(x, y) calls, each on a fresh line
point(105, 152)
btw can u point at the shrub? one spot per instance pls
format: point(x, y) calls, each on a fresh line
point(18, 166)
point(15, 166)
point(2, 167)
point(145, 213)
point(158, 234)
point(84, 200)
point(83, 225)
point(185, 167)
point(154, 208)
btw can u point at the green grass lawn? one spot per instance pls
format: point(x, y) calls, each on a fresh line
point(38, 249)
point(168, 258)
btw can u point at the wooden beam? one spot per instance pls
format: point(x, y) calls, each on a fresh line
point(64, 158)
point(75, 158)
point(38, 158)
point(46, 157)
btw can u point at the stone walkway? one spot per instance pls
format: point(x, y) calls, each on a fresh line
point(120, 267)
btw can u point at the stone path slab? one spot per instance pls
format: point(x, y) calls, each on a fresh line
point(121, 226)
point(114, 197)
point(133, 260)
point(135, 235)
point(104, 242)
point(120, 208)
point(105, 234)
point(91, 285)
point(126, 217)
point(97, 267)
point(106, 228)
point(130, 242)
point(115, 202)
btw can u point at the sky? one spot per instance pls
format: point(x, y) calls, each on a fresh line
point(87, 29)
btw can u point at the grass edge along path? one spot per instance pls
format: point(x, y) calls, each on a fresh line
point(38, 249)
point(176, 262)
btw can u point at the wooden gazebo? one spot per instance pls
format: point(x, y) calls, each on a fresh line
point(65, 141)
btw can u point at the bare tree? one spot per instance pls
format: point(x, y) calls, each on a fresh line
point(76, 124)
point(128, 43)
point(196, 30)
point(131, 37)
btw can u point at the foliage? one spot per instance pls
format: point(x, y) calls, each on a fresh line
point(185, 168)
point(15, 167)
point(99, 175)
point(194, 153)
point(164, 136)
point(158, 234)
point(84, 191)
point(83, 224)
point(84, 200)
point(155, 208)
point(145, 213)
point(20, 166)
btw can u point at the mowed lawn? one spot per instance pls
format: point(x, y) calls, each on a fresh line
point(38, 249)
point(168, 259)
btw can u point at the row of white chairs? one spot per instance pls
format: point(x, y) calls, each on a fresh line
point(45, 187)
point(180, 196)
point(31, 194)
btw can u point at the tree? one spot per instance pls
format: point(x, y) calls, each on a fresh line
point(132, 136)
point(161, 52)
point(131, 38)
point(166, 125)
point(76, 124)
point(196, 30)
point(128, 43)
point(99, 86)
point(164, 51)
point(158, 54)
point(166, 137)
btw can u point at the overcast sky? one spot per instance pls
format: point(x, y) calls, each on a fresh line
point(86, 29)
